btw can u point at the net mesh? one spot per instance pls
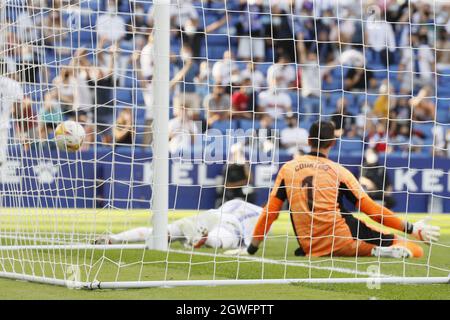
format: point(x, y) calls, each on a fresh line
point(247, 81)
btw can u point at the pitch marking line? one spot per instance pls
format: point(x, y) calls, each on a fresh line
point(287, 263)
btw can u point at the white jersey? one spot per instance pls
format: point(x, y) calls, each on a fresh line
point(236, 216)
point(241, 217)
point(10, 92)
point(186, 229)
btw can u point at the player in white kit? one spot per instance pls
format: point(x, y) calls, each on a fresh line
point(228, 227)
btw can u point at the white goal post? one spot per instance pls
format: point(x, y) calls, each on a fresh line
point(160, 206)
point(191, 105)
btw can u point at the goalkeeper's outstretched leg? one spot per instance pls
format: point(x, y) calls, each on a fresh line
point(369, 241)
point(400, 248)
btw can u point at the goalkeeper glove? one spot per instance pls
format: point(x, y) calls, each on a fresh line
point(425, 232)
point(250, 250)
point(236, 252)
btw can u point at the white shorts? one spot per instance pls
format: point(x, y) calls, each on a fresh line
point(148, 101)
point(222, 237)
point(227, 234)
point(251, 47)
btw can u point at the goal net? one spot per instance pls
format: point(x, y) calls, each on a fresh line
point(190, 109)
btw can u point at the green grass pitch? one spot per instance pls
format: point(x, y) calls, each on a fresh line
point(129, 265)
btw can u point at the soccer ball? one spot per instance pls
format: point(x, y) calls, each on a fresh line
point(69, 136)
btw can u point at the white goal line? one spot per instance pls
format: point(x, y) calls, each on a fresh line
point(186, 283)
point(213, 255)
point(143, 247)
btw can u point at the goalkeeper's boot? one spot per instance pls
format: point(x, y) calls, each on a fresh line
point(102, 240)
point(397, 252)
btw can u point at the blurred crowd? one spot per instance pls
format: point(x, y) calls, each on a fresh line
point(380, 70)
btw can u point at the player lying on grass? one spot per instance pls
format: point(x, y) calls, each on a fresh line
point(315, 187)
point(228, 227)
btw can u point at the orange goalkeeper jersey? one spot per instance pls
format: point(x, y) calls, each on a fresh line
point(314, 187)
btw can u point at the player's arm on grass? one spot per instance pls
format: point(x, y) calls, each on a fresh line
point(355, 193)
point(269, 213)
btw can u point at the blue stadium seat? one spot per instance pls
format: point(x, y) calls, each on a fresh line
point(280, 123)
point(246, 124)
point(350, 146)
point(443, 110)
point(423, 127)
point(224, 125)
point(123, 96)
point(263, 67)
point(443, 91)
point(93, 5)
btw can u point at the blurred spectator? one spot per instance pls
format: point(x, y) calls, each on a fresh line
point(64, 96)
point(311, 78)
point(385, 101)
point(110, 25)
point(402, 110)
point(417, 65)
point(181, 13)
point(145, 75)
point(377, 137)
point(293, 138)
point(359, 80)
point(344, 121)
point(55, 33)
point(443, 48)
point(375, 180)
point(184, 80)
point(26, 21)
point(123, 128)
point(237, 176)
point(350, 58)
point(217, 104)
point(26, 127)
point(350, 27)
point(203, 80)
point(267, 136)
point(281, 32)
point(63, 92)
point(83, 99)
point(29, 63)
point(194, 34)
point(441, 141)
point(243, 100)
point(10, 50)
point(182, 131)
point(422, 106)
point(184, 22)
point(304, 23)
point(257, 78)
point(407, 140)
point(223, 70)
point(137, 29)
point(380, 40)
point(326, 40)
point(102, 81)
point(283, 73)
point(250, 30)
point(274, 102)
point(12, 95)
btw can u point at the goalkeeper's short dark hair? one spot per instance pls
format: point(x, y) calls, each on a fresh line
point(321, 134)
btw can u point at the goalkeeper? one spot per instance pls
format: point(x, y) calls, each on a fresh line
point(228, 227)
point(315, 187)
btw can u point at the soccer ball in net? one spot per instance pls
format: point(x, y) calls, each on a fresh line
point(69, 135)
